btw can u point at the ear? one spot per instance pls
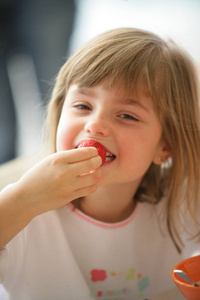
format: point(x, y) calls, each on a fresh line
point(164, 152)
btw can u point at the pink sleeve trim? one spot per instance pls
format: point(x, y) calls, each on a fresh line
point(102, 224)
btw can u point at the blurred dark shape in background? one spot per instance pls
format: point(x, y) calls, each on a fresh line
point(34, 38)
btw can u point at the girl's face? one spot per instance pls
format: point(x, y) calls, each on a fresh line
point(125, 124)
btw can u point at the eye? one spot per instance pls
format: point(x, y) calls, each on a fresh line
point(82, 107)
point(128, 117)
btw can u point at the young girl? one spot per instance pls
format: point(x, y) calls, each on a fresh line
point(72, 228)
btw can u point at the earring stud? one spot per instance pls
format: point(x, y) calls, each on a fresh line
point(160, 159)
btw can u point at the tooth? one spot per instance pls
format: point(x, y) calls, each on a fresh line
point(108, 158)
point(109, 154)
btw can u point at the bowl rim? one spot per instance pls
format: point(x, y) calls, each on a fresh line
point(179, 281)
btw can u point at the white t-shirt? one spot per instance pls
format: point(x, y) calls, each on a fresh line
point(67, 255)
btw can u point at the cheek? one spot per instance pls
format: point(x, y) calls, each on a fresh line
point(64, 136)
point(138, 150)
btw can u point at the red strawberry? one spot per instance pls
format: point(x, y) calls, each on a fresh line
point(101, 150)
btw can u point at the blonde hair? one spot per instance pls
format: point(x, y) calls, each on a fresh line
point(138, 58)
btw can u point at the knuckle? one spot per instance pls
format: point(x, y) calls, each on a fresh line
point(54, 160)
point(95, 176)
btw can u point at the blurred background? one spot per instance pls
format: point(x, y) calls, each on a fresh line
point(37, 36)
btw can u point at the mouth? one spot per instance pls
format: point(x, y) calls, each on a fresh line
point(110, 157)
point(87, 142)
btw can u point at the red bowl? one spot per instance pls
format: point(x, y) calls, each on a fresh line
point(191, 267)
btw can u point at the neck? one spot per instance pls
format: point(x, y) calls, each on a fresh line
point(110, 204)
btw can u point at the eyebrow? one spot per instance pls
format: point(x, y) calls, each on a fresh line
point(121, 101)
point(132, 102)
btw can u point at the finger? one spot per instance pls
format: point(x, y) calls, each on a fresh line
point(85, 167)
point(85, 191)
point(81, 154)
point(88, 179)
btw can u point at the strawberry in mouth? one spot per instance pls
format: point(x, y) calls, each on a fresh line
point(105, 156)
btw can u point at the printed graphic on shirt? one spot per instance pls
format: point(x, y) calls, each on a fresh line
point(131, 275)
point(98, 275)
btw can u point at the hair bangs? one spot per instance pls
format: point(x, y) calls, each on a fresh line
point(121, 59)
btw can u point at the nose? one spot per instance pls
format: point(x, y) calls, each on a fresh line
point(97, 126)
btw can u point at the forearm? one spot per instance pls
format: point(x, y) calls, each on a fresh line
point(14, 213)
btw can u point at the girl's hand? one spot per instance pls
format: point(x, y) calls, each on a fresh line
point(59, 179)
point(52, 183)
